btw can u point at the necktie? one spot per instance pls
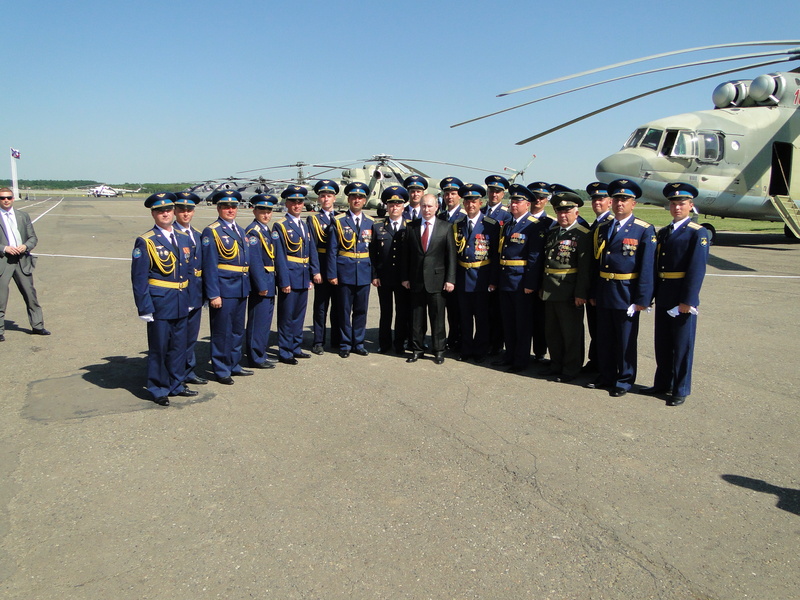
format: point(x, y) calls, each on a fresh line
point(469, 228)
point(394, 227)
point(425, 235)
point(614, 229)
point(173, 242)
point(11, 230)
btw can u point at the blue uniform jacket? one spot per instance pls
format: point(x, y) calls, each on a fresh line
point(262, 258)
point(625, 265)
point(407, 213)
point(225, 261)
point(386, 251)
point(319, 226)
point(195, 269)
point(500, 214)
point(296, 258)
point(681, 265)
point(459, 214)
point(477, 254)
point(348, 250)
point(160, 275)
point(521, 248)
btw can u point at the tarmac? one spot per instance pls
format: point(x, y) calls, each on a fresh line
point(373, 478)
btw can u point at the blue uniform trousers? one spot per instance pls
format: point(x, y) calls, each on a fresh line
point(227, 336)
point(538, 329)
point(353, 304)
point(617, 349)
point(192, 333)
point(259, 321)
point(291, 314)
point(453, 320)
point(517, 307)
point(166, 356)
point(473, 309)
point(325, 297)
point(394, 299)
point(674, 341)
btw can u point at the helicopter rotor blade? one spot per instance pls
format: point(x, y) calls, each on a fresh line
point(645, 94)
point(793, 52)
point(438, 162)
point(652, 57)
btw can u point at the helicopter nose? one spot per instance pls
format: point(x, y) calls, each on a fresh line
point(618, 166)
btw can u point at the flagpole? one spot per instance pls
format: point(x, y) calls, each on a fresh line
point(14, 186)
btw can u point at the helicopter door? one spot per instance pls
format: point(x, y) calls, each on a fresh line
point(781, 175)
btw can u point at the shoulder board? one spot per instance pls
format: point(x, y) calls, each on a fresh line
point(179, 232)
point(581, 228)
point(532, 219)
point(250, 231)
point(341, 216)
point(214, 225)
point(693, 225)
point(407, 222)
point(148, 234)
point(490, 220)
point(640, 223)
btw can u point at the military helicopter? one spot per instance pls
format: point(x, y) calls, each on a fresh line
point(378, 172)
point(741, 155)
point(106, 191)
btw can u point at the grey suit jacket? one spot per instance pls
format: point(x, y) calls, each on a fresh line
point(28, 237)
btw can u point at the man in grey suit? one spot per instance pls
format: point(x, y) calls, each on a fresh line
point(428, 268)
point(17, 239)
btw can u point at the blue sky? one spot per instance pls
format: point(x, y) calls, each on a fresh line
point(171, 91)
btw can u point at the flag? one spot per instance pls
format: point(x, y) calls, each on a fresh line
point(14, 153)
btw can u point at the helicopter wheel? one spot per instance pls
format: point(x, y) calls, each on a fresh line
point(712, 232)
point(789, 233)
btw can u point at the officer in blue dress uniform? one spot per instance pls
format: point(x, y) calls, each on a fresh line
point(261, 302)
point(160, 272)
point(325, 296)
point(477, 240)
point(601, 205)
point(542, 192)
point(296, 267)
point(624, 250)
point(388, 237)
point(452, 212)
point(226, 281)
point(185, 203)
point(416, 186)
point(496, 187)
point(350, 268)
point(521, 247)
point(681, 257)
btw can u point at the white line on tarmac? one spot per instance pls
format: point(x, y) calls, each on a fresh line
point(753, 276)
point(47, 211)
point(77, 256)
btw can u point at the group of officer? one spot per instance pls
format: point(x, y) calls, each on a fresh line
point(522, 280)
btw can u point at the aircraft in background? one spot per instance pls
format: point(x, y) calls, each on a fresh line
point(106, 191)
point(743, 155)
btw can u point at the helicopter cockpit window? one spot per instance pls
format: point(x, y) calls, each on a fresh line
point(685, 145)
point(710, 146)
point(652, 139)
point(635, 138)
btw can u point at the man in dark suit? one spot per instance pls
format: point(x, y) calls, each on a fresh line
point(429, 268)
point(17, 239)
point(388, 237)
point(184, 212)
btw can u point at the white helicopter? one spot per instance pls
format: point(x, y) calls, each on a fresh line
point(106, 191)
point(742, 155)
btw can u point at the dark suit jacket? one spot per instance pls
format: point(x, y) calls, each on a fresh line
point(27, 235)
point(429, 271)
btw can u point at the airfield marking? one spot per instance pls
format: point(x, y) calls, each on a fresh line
point(77, 256)
point(47, 211)
point(754, 276)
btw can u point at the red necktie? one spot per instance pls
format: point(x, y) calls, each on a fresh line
point(425, 236)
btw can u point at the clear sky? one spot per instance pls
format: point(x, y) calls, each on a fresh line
point(178, 90)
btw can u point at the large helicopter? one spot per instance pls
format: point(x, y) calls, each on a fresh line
point(378, 172)
point(742, 155)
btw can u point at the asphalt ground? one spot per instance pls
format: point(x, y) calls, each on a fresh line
point(373, 478)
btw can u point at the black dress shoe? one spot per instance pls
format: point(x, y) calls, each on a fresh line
point(317, 349)
point(2, 338)
point(271, 360)
point(264, 365)
point(162, 401)
point(617, 392)
point(515, 369)
point(653, 391)
point(462, 357)
point(676, 401)
point(302, 355)
point(563, 379)
point(243, 373)
point(195, 380)
point(414, 357)
point(41, 331)
point(501, 363)
point(186, 393)
point(478, 359)
point(225, 380)
point(361, 351)
point(287, 361)
point(597, 385)
point(589, 367)
point(439, 358)
point(344, 353)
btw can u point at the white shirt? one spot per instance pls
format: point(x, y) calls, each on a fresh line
point(10, 225)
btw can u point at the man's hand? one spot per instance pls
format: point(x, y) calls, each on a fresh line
point(215, 302)
point(449, 287)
